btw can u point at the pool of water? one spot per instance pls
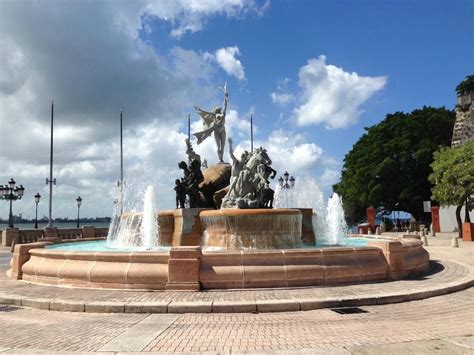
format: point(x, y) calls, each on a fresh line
point(349, 242)
point(100, 245)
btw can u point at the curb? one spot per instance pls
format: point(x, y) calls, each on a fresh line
point(284, 305)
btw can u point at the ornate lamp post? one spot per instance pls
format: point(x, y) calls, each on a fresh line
point(11, 193)
point(79, 201)
point(37, 200)
point(284, 181)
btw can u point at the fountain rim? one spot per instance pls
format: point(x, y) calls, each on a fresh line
point(126, 214)
point(250, 212)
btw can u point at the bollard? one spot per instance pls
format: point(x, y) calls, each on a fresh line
point(432, 233)
point(422, 232)
point(369, 231)
point(426, 231)
point(424, 240)
point(408, 231)
point(454, 242)
point(377, 231)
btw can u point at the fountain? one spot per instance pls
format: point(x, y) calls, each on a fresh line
point(238, 233)
point(135, 230)
point(335, 222)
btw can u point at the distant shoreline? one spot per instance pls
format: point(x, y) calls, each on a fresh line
point(71, 224)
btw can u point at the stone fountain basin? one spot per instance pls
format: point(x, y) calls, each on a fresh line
point(190, 268)
point(279, 228)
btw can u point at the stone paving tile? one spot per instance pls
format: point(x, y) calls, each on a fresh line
point(432, 318)
point(61, 331)
point(437, 346)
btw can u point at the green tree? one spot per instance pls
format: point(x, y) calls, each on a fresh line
point(466, 86)
point(390, 164)
point(453, 178)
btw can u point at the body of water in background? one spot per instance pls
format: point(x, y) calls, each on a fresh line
point(57, 225)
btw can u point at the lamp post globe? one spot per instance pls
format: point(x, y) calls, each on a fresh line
point(292, 182)
point(79, 202)
point(37, 200)
point(280, 181)
point(287, 181)
point(11, 183)
point(11, 193)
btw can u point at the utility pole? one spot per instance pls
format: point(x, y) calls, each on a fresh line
point(51, 181)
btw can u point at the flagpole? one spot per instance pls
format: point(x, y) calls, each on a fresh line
point(251, 133)
point(121, 164)
point(51, 181)
point(189, 127)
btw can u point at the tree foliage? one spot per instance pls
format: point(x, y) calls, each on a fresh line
point(390, 164)
point(453, 174)
point(466, 86)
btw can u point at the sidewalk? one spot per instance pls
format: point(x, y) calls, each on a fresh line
point(452, 270)
point(435, 325)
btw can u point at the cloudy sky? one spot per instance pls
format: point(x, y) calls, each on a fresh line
point(312, 73)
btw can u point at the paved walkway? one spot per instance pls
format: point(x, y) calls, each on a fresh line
point(442, 324)
point(438, 325)
point(452, 273)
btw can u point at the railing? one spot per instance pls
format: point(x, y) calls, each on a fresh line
point(70, 233)
point(101, 232)
point(11, 236)
point(30, 235)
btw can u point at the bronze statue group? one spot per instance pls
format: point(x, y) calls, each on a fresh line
point(247, 185)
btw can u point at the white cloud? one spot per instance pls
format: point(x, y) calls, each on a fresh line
point(191, 15)
point(95, 66)
point(226, 58)
point(333, 96)
point(282, 98)
point(329, 177)
point(288, 151)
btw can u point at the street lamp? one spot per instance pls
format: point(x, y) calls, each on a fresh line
point(284, 181)
point(79, 201)
point(11, 193)
point(37, 200)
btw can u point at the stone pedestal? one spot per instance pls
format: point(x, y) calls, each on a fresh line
point(260, 228)
point(166, 220)
point(9, 235)
point(468, 232)
point(187, 227)
point(307, 233)
point(21, 255)
point(183, 269)
point(371, 217)
point(435, 219)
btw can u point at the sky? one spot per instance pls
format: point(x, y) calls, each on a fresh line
point(312, 73)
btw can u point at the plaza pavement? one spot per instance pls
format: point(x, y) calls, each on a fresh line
point(440, 324)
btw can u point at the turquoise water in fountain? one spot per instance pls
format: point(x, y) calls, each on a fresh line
point(100, 245)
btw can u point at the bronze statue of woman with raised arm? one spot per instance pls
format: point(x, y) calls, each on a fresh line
point(214, 121)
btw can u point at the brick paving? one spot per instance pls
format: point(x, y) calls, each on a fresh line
point(319, 330)
point(432, 318)
point(442, 324)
